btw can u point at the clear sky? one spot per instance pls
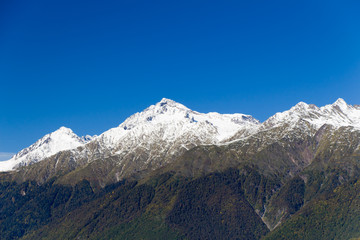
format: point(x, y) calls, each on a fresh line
point(90, 64)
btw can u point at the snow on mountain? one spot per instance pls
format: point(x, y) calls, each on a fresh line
point(337, 114)
point(60, 140)
point(164, 129)
point(167, 128)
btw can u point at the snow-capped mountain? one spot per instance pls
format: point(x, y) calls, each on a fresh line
point(338, 114)
point(169, 121)
point(306, 118)
point(308, 152)
point(162, 132)
point(60, 140)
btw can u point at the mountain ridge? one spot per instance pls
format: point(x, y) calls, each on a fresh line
point(188, 124)
point(182, 123)
point(162, 158)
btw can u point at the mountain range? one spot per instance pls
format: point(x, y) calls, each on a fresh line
point(193, 175)
point(168, 128)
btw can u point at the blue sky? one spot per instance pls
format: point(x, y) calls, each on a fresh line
point(88, 65)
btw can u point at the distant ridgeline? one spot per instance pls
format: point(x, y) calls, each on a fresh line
point(173, 173)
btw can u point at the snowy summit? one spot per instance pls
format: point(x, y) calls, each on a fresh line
point(60, 140)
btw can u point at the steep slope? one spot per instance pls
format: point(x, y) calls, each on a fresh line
point(164, 207)
point(60, 140)
point(334, 215)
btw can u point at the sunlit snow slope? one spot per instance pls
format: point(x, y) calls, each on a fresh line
point(60, 140)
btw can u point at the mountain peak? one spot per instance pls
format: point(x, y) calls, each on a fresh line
point(63, 130)
point(61, 139)
point(300, 106)
point(341, 103)
point(166, 102)
point(301, 103)
point(337, 114)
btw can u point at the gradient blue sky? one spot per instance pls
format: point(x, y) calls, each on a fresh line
point(90, 64)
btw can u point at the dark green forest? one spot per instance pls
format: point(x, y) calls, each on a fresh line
point(219, 205)
point(216, 206)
